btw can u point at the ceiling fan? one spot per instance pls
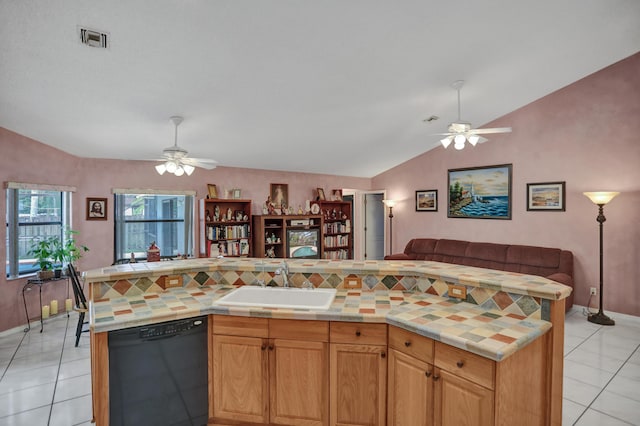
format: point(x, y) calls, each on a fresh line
point(175, 158)
point(461, 131)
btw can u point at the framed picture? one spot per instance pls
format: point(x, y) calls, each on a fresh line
point(320, 196)
point(279, 195)
point(427, 200)
point(213, 190)
point(480, 192)
point(96, 208)
point(546, 196)
point(336, 194)
point(236, 193)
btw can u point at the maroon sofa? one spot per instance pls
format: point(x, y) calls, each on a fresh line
point(552, 263)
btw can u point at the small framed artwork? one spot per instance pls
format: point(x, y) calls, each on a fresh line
point(320, 196)
point(546, 196)
point(427, 200)
point(96, 208)
point(279, 195)
point(480, 192)
point(336, 194)
point(236, 193)
point(213, 190)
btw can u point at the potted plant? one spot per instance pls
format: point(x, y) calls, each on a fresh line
point(42, 250)
point(69, 251)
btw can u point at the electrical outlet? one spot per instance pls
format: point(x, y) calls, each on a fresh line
point(593, 291)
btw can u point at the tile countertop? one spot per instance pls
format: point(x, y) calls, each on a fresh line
point(493, 334)
point(509, 282)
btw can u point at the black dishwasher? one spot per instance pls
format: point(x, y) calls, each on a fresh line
point(158, 374)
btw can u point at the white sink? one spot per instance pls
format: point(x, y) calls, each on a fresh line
point(278, 297)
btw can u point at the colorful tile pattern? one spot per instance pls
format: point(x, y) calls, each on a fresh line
point(428, 277)
point(503, 311)
point(494, 334)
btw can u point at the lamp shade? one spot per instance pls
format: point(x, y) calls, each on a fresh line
point(600, 197)
point(389, 203)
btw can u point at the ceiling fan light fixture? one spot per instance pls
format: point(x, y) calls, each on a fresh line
point(446, 141)
point(171, 166)
point(473, 139)
point(179, 171)
point(459, 139)
point(161, 168)
point(188, 169)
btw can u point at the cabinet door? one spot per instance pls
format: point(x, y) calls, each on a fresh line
point(299, 382)
point(410, 391)
point(459, 402)
point(240, 379)
point(358, 384)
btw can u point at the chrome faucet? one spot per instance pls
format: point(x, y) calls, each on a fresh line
point(284, 271)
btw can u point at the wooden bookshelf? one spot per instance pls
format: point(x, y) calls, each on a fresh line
point(270, 233)
point(337, 229)
point(225, 227)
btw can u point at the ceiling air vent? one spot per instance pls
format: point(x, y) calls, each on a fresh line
point(94, 38)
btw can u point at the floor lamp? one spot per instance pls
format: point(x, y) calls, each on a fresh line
point(390, 204)
point(600, 199)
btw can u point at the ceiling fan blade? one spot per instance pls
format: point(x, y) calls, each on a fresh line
point(443, 134)
point(494, 130)
point(204, 163)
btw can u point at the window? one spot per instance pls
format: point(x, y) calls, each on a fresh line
point(33, 214)
point(141, 219)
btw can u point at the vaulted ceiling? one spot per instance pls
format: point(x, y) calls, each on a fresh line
point(333, 86)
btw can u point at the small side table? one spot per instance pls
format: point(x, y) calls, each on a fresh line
point(33, 282)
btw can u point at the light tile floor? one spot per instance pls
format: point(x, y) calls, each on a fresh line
point(45, 380)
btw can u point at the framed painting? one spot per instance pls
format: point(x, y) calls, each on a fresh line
point(320, 192)
point(427, 200)
point(96, 208)
point(546, 196)
point(480, 192)
point(212, 190)
point(279, 195)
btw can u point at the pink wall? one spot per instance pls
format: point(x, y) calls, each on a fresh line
point(25, 160)
point(587, 134)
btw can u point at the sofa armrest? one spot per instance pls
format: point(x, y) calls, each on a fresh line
point(561, 278)
point(398, 256)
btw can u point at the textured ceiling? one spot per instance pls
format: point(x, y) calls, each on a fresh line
point(338, 87)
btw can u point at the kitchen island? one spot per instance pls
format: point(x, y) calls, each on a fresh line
point(509, 325)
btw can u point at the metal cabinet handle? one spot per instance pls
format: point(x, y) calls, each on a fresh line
point(358, 333)
point(270, 347)
point(436, 378)
point(407, 343)
point(263, 347)
point(428, 374)
point(383, 354)
point(460, 364)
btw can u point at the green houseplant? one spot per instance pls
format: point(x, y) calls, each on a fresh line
point(68, 251)
point(53, 252)
point(42, 250)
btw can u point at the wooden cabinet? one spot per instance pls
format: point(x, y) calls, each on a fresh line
point(240, 369)
point(358, 369)
point(337, 231)
point(460, 402)
point(225, 227)
point(276, 373)
point(410, 384)
point(271, 237)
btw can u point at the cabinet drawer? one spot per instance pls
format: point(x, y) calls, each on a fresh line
point(412, 344)
point(464, 364)
point(358, 333)
point(241, 326)
point(317, 331)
